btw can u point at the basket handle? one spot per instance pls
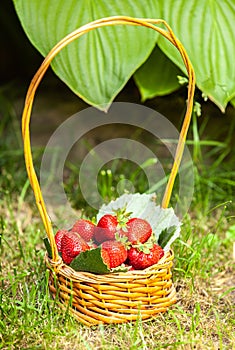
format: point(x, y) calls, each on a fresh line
point(149, 23)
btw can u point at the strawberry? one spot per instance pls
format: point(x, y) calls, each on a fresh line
point(109, 225)
point(106, 228)
point(113, 253)
point(58, 237)
point(140, 260)
point(72, 244)
point(85, 228)
point(105, 256)
point(138, 230)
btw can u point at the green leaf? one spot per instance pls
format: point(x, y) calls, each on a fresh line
point(166, 235)
point(121, 268)
point(90, 261)
point(233, 102)
point(48, 247)
point(206, 29)
point(157, 76)
point(97, 65)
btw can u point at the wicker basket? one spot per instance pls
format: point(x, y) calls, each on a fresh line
point(116, 297)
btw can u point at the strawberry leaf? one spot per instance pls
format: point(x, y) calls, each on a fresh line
point(90, 261)
point(121, 268)
point(166, 235)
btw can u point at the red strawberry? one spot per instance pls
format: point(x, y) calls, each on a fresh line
point(72, 244)
point(141, 260)
point(85, 228)
point(106, 228)
point(105, 257)
point(109, 225)
point(138, 230)
point(114, 253)
point(58, 237)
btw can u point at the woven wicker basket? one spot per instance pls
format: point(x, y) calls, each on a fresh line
point(116, 297)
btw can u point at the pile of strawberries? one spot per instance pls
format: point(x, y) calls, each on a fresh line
point(122, 240)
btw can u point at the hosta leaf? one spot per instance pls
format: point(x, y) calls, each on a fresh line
point(97, 65)
point(233, 102)
point(206, 29)
point(157, 76)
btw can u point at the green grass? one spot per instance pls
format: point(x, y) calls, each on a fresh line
point(204, 270)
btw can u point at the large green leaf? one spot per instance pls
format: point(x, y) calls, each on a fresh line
point(157, 76)
point(206, 29)
point(98, 65)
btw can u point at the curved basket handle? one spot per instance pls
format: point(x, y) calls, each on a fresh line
point(149, 23)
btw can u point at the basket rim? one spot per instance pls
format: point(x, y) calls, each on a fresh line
point(60, 268)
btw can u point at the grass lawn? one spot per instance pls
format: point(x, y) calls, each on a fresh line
point(204, 269)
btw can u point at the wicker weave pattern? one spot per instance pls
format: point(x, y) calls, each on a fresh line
point(117, 297)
